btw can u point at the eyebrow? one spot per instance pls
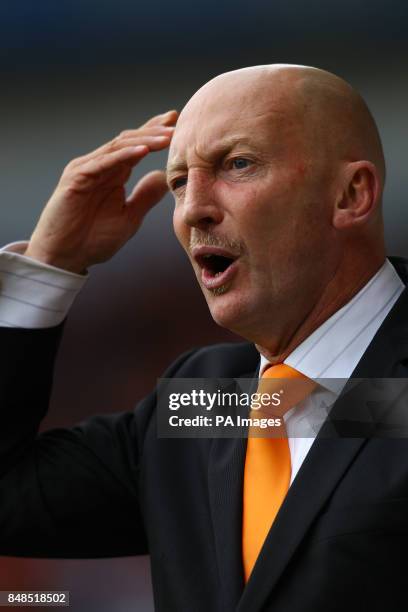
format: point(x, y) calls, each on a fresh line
point(218, 150)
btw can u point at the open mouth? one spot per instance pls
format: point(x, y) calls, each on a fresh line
point(218, 265)
point(214, 265)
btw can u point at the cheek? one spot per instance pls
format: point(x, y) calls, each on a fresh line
point(180, 229)
point(262, 215)
point(275, 225)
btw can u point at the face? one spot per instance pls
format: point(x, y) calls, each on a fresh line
point(250, 206)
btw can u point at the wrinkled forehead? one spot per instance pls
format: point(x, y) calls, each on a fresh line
point(219, 117)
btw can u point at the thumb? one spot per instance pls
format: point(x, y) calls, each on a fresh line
point(147, 192)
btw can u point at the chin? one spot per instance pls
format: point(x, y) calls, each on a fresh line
point(228, 310)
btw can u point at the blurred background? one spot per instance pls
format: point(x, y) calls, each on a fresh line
point(74, 74)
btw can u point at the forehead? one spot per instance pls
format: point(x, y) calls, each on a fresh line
point(222, 118)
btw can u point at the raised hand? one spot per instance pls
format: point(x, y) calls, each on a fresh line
point(88, 217)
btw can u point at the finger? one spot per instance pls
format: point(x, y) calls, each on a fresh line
point(159, 126)
point(116, 176)
point(153, 130)
point(155, 142)
point(168, 118)
point(148, 192)
point(104, 166)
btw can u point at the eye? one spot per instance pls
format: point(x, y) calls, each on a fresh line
point(240, 163)
point(178, 182)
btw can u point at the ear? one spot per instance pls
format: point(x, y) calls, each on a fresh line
point(360, 195)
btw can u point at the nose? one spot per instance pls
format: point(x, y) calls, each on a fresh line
point(201, 207)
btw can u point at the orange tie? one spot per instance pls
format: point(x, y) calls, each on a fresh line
point(267, 462)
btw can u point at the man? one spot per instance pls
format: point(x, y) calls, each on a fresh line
point(277, 173)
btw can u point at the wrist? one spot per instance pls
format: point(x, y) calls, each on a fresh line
point(57, 261)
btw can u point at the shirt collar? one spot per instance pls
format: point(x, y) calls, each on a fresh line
point(331, 353)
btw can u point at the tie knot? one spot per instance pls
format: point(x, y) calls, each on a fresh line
point(282, 370)
point(285, 386)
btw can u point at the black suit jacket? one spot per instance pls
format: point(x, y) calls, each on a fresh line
point(111, 487)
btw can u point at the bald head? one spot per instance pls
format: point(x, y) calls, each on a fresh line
point(331, 117)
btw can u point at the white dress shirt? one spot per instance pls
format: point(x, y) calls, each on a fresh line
point(36, 295)
point(33, 294)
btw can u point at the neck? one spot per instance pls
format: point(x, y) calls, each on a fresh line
point(338, 292)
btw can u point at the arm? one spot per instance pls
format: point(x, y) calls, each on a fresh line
point(74, 492)
point(67, 493)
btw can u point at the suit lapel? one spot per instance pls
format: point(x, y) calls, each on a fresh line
point(326, 463)
point(225, 480)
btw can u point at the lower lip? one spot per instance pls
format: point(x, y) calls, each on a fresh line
point(213, 282)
